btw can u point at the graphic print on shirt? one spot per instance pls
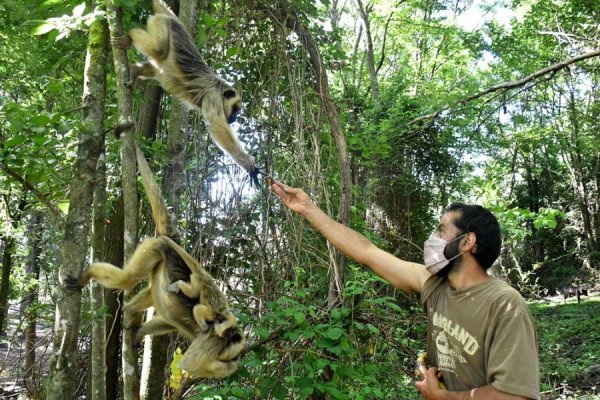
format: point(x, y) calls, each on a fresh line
point(452, 343)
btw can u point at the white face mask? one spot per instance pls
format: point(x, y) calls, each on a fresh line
point(434, 247)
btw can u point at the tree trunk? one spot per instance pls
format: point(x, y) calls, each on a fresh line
point(294, 23)
point(94, 101)
point(370, 54)
point(579, 179)
point(28, 304)
point(9, 245)
point(62, 382)
point(7, 253)
point(131, 380)
point(113, 253)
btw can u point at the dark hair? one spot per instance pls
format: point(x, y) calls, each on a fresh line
point(480, 221)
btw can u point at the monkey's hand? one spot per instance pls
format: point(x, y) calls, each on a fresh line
point(122, 42)
point(247, 162)
point(122, 127)
point(73, 282)
point(174, 287)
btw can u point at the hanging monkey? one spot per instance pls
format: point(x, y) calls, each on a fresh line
point(184, 295)
point(175, 62)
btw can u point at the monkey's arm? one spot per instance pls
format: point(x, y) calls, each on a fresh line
point(156, 326)
point(212, 109)
point(404, 275)
point(192, 289)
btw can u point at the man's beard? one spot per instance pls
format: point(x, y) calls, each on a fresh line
point(452, 266)
point(451, 251)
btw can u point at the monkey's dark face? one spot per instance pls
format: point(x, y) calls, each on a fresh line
point(232, 105)
point(233, 115)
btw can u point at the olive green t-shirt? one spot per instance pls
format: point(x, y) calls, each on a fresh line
point(481, 335)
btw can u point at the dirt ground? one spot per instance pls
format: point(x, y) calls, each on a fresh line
point(12, 358)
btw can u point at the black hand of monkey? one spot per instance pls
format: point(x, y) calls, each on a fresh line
point(121, 42)
point(73, 283)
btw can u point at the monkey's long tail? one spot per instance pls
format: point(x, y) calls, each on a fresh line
point(163, 219)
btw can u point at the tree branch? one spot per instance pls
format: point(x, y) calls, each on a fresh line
point(53, 209)
point(505, 86)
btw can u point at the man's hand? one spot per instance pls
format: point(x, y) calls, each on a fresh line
point(430, 386)
point(295, 199)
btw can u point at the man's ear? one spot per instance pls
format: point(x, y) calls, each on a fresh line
point(470, 242)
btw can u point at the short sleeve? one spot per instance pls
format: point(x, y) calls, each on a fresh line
point(513, 365)
point(432, 283)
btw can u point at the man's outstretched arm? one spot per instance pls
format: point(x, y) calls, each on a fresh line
point(404, 275)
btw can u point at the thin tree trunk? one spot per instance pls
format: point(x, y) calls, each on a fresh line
point(7, 253)
point(131, 380)
point(97, 57)
point(173, 180)
point(32, 268)
point(4, 282)
point(113, 253)
point(62, 382)
point(370, 54)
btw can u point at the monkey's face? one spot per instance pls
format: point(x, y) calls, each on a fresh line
point(212, 356)
point(223, 321)
point(232, 105)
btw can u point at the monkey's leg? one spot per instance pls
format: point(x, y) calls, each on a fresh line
point(134, 307)
point(154, 41)
point(145, 258)
point(156, 326)
point(107, 275)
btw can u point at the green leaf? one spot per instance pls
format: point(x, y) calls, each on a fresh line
point(15, 141)
point(262, 333)
point(233, 51)
point(43, 28)
point(64, 206)
point(299, 317)
point(208, 20)
point(40, 119)
point(306, 391)
point(373, 329)
point(334, 333)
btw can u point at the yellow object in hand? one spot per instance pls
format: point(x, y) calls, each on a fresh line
point(421, 368)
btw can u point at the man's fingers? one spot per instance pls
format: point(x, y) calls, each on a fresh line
point(287, 189)
point(432, 373)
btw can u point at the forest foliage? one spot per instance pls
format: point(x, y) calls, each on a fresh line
point(438, 101)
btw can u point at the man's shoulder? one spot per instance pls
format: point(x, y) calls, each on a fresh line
point(507, 300)
point(502, 290)
point(432, 283)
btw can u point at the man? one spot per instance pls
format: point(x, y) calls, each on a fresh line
point(480, 333)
